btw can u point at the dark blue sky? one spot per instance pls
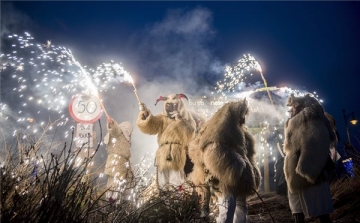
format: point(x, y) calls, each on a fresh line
point(312, 45)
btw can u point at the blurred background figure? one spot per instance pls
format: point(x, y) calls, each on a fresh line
point(280, 182)
point(118, 167)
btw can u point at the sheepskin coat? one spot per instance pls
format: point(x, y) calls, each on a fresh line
point(224, 149)
point(308, 137)
point(173, 135)
point(118, 143)
point(198, 175)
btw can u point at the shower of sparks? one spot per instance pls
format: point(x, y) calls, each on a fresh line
point(266, 122)
point(106, 75)
point(128, 78)
point(109, 73)
point(38, 81)
point(235, 77)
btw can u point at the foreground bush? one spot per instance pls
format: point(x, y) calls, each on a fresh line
point(49, 187)
point(40, 182)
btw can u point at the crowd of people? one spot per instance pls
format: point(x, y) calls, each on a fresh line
point(221, 153)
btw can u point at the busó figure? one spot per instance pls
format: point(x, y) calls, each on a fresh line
point(224, 155)
point(308, 138)
point(174, 127)
point(118, 167)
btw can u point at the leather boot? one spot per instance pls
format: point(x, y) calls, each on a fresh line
point(325, 218)
point(299, 218)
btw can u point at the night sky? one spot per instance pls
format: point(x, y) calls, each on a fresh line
point(304, 45)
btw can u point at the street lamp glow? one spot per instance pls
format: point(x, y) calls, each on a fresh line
point(353, 121)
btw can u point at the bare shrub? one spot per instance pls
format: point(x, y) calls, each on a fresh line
point(41, 182)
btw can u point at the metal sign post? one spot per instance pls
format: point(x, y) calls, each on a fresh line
point(85, 109)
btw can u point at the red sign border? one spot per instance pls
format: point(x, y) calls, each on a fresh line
point(76, 118)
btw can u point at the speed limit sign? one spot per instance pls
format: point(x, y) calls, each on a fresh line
point(85, 108)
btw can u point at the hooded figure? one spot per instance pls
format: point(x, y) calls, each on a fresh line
point(223, 154)
point(335, 156)
point(308, 138)
point(174, 127)
point(118, 167)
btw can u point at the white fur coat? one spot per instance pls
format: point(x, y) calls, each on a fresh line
point(308, 136)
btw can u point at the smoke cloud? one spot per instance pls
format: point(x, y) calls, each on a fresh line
point(169, 56)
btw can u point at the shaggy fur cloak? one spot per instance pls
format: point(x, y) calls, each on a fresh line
point(118, 145)
point(308, 137)
point(173, 134)
point(226, 150)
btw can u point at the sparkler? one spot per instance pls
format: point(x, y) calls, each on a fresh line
point(142, 106)
point(267, 89)
point(249, 62)
point(135, 90)
point(103, 107)
point(127, 77)
point(236, 76)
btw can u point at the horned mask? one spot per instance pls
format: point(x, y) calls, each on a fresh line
point(173, 104)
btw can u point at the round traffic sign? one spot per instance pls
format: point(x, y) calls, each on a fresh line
point(85, 108)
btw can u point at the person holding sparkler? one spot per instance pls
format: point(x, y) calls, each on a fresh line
point(118, 168)
point(175, 128)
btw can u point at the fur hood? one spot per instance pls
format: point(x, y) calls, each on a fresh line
point(227, 151)
point(308, 136)
point(126, 128)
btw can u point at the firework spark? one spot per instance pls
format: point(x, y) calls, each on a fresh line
point(235, 77)
point(40, 79)
point(266, 119)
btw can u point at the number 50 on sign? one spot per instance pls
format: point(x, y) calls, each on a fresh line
point(85, 108)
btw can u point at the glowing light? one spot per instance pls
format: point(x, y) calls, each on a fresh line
point(49, 76)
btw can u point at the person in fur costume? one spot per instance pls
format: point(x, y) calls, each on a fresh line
point(224, 155)
point(308, 138)
point(198, 175)
point(117, 168)
point(175, 128)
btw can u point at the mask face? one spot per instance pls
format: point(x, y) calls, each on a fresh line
point(170, 108)
point(172, 104)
